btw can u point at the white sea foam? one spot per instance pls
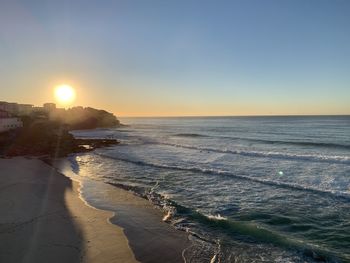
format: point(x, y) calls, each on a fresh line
point(270, 154)
point(217, 217)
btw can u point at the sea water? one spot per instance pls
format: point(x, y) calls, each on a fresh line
point(248, 189)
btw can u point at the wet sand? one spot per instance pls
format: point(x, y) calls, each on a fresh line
point(151, 239)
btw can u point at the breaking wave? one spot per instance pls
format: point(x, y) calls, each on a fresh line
point(192, 221)
point(267, 141)
point(277, 155)
point(338, 194)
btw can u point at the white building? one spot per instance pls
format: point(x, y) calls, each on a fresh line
point(49, 107)
point(25, 109)
point(9, 107)
point(9, 123)
point(15, 108)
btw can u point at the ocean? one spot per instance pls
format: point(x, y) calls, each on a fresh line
point(248, 189)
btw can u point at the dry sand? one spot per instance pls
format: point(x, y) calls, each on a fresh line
point(42, 219)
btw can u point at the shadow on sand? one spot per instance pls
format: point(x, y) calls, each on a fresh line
point(35, 222)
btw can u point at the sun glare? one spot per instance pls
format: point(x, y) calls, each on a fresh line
point(65, 94)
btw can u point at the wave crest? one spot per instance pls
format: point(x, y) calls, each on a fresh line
point(338, 194)
point(275, 155)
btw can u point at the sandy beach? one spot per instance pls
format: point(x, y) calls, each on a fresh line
point(44, 220)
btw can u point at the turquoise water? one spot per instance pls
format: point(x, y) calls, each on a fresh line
point(249, 189)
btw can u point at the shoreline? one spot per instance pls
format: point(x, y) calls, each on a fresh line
point(149, 237)
point(132, 231)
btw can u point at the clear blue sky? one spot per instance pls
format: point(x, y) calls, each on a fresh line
point(180, 57)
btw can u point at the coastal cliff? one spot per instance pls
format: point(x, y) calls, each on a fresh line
point(78, 118)
point(46, 133)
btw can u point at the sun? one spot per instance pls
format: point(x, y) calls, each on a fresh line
point(64, 94)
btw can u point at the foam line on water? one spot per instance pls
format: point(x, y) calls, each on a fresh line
point(275, 155)
point(337, 194)
point(267, 141)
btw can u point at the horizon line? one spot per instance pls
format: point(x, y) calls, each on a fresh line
point(225, 116)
